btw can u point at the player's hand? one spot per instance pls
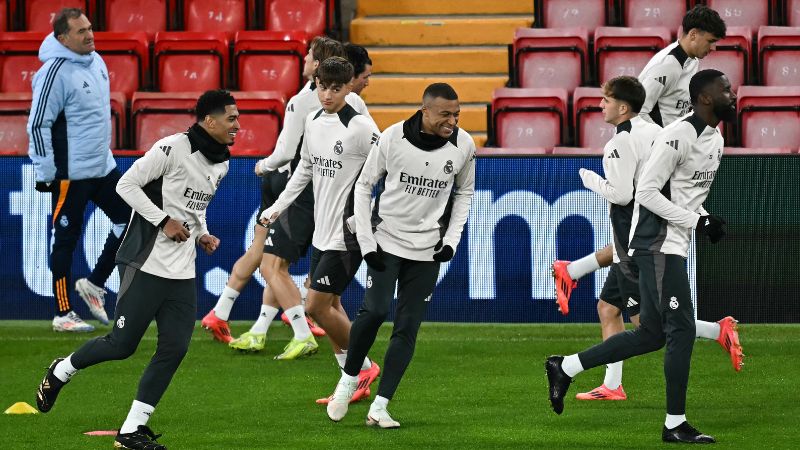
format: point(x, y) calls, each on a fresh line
point(443, 253)
point(208, 243)
point(176, 231)
point(259, 169)
point(711, 226)
point(375, 260)
point(268, 217)
point(44, 186)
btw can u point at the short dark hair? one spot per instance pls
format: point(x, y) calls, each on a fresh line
point(442, 90)
point(323, 47)
point(213, 102)
point(700, 81)
point(61, 20)
point(704, 19)
point(335, 71)
point(627, 89)
point(358, 57)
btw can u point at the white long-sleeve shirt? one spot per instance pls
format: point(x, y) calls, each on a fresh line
point(291, 136)
point(674, 184)
point(174, 180)
point(334, 149)
point(666, 80)
point(416, 195)
point(623, 159)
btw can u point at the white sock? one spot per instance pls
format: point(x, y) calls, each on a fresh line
point(138, 415)
point(297, 317)
point(64, 370)
point(583, 266)
point(379, 402)
point(613, 375)
point(341, 358)
point(265, 318)
point(303, 293)
point(572, 365)
point(366, 364)
point(707, 330)
point(225, 302)
point(674, 420)
point(348, 378)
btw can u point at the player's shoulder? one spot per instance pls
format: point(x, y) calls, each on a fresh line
point(174, 145)
point(641, 127)
point(464, 141)
point(669, 60)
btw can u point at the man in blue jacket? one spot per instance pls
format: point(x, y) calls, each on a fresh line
point(69, 131)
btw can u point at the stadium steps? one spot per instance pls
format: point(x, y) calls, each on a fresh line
point(414, 43)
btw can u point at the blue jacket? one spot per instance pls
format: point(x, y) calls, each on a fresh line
point(69, 128)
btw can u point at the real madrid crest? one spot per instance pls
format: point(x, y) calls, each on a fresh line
point(338, 149)
point(448, 167)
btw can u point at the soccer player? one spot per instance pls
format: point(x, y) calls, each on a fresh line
point(623, 158)
point(69, 134)
point(669, 196)
point(169, 189)
point(362, 66)
point(428, 164)
point(336, 143)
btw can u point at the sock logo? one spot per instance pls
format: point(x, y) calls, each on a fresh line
point(296, 316)
point(673, 303)
point(121, 322)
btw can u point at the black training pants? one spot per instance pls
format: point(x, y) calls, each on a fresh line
point(667, 317)
point(143, 297)
point(415, 281)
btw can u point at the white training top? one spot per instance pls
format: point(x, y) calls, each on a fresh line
point(666, 80)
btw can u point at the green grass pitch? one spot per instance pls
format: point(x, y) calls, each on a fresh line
point(469, 386)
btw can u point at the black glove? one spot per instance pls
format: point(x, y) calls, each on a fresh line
point(443, 253)
point(712, 226)
point(375, 260)
point(44, 186)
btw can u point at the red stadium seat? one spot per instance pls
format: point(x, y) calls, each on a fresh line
point(528, 117)
point(310, 16)
point(768, 116)
point(779, 55)
point(269, 59)
point(742, 13)
point(577, 151)
point(127, 58)
point(190, 61)
point(129, 15)
point(118, 120)
point(19, 60)
point(229, 16)
point(591, 130)
point(653, 13)
point(550, 57)
point(793, 13)
point(261, 116)
point(588, 14)
point(39, 14)
point(14, 109)
point(625, 51)
point(732, 56)
point(3, 15)
point(155, 115)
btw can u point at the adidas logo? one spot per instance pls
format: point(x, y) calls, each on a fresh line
point(166, 149)
point(269, 241)
point(632, 302)
point(296, 316)
point(324, 280)
point(662, 80)
point(85, 85)
point(375, 139)
point(673, 144)
point(614, 154)
point(428, 298)
point(290, 108)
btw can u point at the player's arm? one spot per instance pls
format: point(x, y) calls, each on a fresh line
point(655, 175)
point(49, 98)
point(619, 162)
point(656, 81)
point(299, 180)
point(463, 190)
point(287, 143)
point(374, 169)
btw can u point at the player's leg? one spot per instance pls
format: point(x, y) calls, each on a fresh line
point(415, 285)
point(91, 289)
point(175, 320)
point(137, 303)
point(255, 338)
point(567, 273)
point(726, 333)
point(371, 315)
point(69, 200)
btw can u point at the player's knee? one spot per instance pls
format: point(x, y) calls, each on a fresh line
point(607, 311)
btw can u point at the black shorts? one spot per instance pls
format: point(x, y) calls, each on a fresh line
point(621, 288)
point(334, 271)
point(290, 236)
point(272, 184)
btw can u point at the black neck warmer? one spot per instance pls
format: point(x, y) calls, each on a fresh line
point(412, 130)
point(201, 141)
